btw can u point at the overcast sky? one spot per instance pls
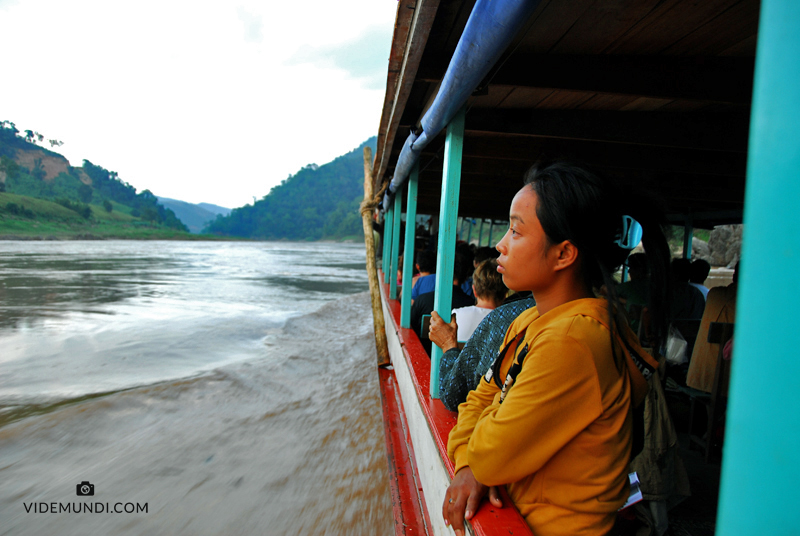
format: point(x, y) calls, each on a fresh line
point(205, 100)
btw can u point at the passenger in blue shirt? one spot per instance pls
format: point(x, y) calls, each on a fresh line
point(425, 284)
point(426, 281)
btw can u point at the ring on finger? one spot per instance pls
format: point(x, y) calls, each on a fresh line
point(451, 500)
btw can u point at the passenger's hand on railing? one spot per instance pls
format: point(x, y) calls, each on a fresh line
point(442, 334)
point(463, 498)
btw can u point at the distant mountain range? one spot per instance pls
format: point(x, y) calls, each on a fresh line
point(194, 216)
point(317, 202)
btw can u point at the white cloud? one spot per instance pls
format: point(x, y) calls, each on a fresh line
point(362, 58)
point(199, 101)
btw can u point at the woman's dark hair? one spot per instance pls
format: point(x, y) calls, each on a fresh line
point(585, 208)
point(489, 282)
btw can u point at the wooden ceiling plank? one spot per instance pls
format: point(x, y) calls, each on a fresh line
point(606, 101)
point(717, 132)
point(520, 97)
point(564, 100)
point(602, 24)
point(645, 104)
point(668, 159)
point(552, 22)
point(671, 21)
point(722, 32)
point(728, 79)
point(495, 97)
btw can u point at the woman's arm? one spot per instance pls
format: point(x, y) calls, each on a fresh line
point(469, 414)
point(556, 396)
point(464, 495)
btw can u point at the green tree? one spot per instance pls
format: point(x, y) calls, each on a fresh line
point(150, 214)
point(316, 202)
point(108, 206)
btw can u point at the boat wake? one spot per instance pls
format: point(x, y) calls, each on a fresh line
point(291, 443)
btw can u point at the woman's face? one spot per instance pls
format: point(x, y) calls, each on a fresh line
point(524, 260)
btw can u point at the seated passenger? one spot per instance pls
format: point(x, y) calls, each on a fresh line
point(489, 292)
point(552, 419)
point(720, 307)
point(423, 305)
point(698, 274)
point(687, 302)
point(481, 254)
point(460, 372)
point(425, 280)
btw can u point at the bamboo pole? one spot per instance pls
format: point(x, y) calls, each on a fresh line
point(367, 208)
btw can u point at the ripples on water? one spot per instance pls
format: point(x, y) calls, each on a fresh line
point(231, 387)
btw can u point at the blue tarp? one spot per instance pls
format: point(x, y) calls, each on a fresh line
point(490, 28)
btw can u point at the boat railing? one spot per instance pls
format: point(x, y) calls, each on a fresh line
point(429, 424)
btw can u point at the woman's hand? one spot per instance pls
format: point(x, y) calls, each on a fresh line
point(442, 334)
point(463, 498)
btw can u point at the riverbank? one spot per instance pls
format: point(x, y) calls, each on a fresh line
point(11, 229)
point(29, 218)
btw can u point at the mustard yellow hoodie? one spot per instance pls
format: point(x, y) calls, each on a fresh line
point(561, 438)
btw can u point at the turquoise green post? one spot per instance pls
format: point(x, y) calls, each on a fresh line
point(388, 222)
point(448, 217)
point(480, 233)
point(397, 212)
point(408, 247)
point(469, 233)
point(384, 236)
point(761, 462)
point(383, 245)
point(491, 232)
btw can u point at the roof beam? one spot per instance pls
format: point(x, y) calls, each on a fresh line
point(413, 31)
point(600, 153)
point(718, 79)
point(708, 131)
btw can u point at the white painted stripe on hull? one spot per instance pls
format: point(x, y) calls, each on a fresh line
point(432, 472)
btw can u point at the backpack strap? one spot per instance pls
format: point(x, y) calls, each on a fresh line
point(516, 366)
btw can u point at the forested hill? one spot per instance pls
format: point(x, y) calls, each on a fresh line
point(26, 169)
point(317, 202)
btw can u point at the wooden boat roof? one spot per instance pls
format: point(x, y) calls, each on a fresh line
point(653, 92)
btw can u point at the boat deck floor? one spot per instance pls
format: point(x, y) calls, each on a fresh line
point(696, 515)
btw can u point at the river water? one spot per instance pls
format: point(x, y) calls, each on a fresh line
point(228, 388)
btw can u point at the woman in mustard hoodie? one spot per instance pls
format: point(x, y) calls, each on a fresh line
point(553, 419)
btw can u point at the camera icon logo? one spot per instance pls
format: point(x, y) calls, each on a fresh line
point(84, 489)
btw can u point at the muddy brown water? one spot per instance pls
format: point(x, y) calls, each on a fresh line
point(227, 389)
